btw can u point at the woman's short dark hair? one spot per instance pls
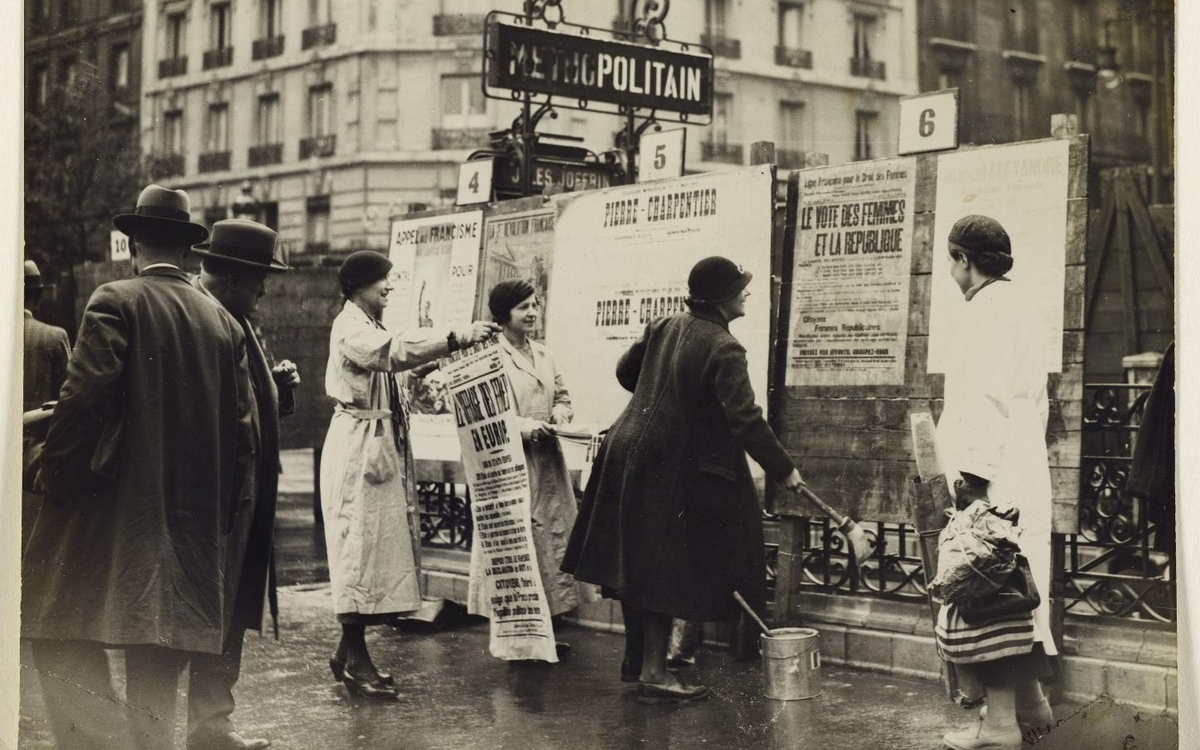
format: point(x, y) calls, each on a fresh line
point(505, 296)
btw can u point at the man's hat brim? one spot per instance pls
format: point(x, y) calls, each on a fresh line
point(276, 265)
point(131, 224)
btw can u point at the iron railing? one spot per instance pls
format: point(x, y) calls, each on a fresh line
point(271, 46)
point(445, 516)
point(318, 36)
point(1112, 565)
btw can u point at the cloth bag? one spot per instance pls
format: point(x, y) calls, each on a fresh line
point(1018, 596)
point(977, 551)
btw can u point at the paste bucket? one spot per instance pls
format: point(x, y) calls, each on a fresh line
point(791, 664)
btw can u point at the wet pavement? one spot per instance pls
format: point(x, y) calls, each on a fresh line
point(453, 695)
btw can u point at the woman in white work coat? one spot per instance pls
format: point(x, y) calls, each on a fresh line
point(368, 496)
point(992, 434)
point(542, 403)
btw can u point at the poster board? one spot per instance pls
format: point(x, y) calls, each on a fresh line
point(853, 444)
point(518, 243)
point(435, 266)
point(850, 291)
point(622, 257)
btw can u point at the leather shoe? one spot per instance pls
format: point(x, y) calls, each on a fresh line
point(362, 687)
point(649, 692)
point(338, 667)
point(227, 741)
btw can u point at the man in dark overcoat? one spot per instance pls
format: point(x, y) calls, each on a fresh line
point(670, 522)
point(236, 263)
point(142, 468)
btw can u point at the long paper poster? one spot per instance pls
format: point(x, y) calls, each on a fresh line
point(505, 583)
point(436, 262)
point(1024, 187)
point(849, 321)
point(622, 257)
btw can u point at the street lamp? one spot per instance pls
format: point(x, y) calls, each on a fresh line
point(245, 206)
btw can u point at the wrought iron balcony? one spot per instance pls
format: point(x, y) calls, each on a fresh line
point(318, 36)
point(215, 161)
point(162, 166)
point(458, 24)
point(271, 46)
point(318, 145)
point(460, 138)
point(730, 153)
point(865, 68)
point(793, 57)
point(172, 66)
point(269, 153)
point(722, 46)
point(316, 248)
point(218, 58)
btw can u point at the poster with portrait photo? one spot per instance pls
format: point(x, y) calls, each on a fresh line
point(517, 245)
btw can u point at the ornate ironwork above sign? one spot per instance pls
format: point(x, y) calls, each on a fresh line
point(584, 67)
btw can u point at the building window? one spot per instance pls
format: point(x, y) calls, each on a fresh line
point(1021, 105)
point(176, 36)
point(272, 18)
point(68, 72)
point(1021, 25)
point(268, 120)
point(1083, 109)
point(40, 82)
point(320, 109)
point(463, 103)
point(791, 25)
point(864, 135)
point(864, 36)
point(1082, 31)
point(217, 129)
point(219, 17)
point(949, 79)
point(722, 114)
point(120, 67)
point(318, 12)
point(716, 14)
point(172, 133)
point(791, 125)
point(317, 224)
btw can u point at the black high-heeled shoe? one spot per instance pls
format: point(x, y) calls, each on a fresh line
point(338, 667)
point(364, 688)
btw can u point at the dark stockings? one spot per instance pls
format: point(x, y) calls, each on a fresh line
point(353, 650)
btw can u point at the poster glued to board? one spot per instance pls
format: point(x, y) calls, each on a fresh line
point(622, 258)
point(518, 246)
point(853, 258)
point(435, 267)
point(505, 583)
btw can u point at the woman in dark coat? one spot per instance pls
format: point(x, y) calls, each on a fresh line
point(670, 523)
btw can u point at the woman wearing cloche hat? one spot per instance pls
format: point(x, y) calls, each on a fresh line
point(670, 523)
point(367, 493)
point(992, 433)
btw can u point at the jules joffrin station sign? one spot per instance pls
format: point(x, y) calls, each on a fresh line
point(579, 69)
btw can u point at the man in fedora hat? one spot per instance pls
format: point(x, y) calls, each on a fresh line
point(142, 469)
point(236, 263)
point(44, 365)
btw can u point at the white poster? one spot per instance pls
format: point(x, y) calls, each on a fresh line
point(505, 583)
point(1024, 187)
point(436, 261)
point(853, 261)
point(621, 259)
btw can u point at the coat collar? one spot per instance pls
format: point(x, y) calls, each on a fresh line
point(537, 368)
point(164, 270)
point(711, 316)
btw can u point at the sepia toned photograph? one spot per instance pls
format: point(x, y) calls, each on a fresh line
point(851, 420)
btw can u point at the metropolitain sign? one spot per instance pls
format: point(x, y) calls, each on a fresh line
point(586, 69)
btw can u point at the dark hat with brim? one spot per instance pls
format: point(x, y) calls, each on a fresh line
point(245, 243)
point(33, 276)
point(715, 280)
point(162, 211)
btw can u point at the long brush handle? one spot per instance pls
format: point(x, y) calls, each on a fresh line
point(838, 518)
point(750, 611)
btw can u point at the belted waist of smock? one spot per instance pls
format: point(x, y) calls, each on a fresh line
point(363, 413)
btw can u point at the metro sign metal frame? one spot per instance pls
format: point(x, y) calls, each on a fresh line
point(492, 57)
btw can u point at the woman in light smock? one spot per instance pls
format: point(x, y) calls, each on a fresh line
point(993, 434)
point(542, 402)
point(367, 486)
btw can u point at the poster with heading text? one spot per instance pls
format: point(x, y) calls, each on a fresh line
point(853, 256)
point(1024, 187)
point(622, 258)
point(435, 265)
